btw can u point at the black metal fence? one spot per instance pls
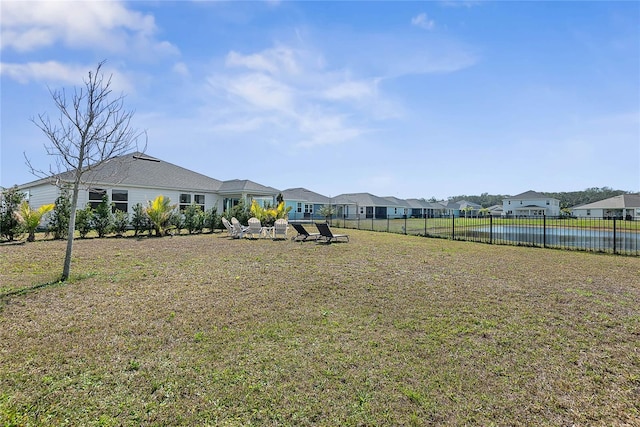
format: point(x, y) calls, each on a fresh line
point(615, 236)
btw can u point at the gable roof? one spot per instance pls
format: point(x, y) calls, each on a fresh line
point(362, 199)
point(529, 195)
point(141, 170)
point(303, 195)
point(617, 202)
point(246, 186)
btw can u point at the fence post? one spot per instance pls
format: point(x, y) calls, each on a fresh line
point(453, 226)
point(544, 230)
point(387, 223)
point(425, 225)
point(491, 229)
point(405, 224)
point(614, 235)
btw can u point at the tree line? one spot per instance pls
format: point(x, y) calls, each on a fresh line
point(567, 199)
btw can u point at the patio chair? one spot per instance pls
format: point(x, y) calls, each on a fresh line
point(280, 228)
point(255, 228)
point(228, 226)
point(303, 234)
point(238, 229)
point(327, 235)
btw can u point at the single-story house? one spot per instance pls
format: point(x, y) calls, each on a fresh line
point(139, 178)
point(530, 204)
point(624, 206)
point(305, 204)
point(495, 210)
point(366, 205)
point(234, 190)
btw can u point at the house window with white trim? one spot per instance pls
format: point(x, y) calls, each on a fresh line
point(299, 207)
point(308, 208)
point(95, 196)
point(588, 212)
point(198, 199)
point(120, 199)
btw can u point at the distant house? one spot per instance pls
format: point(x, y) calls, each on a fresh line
point(624, 206)
point(495, 210)
point(366, 205)
point(138, 178)
point(420, 208)
point(234, 190)
point(305, 204)
point(530, 204)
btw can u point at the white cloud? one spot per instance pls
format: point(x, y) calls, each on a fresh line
point(423, 22)
point(181, 69)
point(107, 25)
point(53, 72)
point(262, 91)
point(351, 90)
point(273, 61)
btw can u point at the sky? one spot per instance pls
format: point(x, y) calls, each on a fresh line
point(405, 99)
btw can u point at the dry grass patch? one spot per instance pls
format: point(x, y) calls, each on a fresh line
point(384, 330)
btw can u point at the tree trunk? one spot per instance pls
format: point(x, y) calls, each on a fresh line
point(71, 231)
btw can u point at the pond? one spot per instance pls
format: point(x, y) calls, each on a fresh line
point(582, 238)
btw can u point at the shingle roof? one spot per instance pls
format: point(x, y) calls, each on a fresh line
point(528, 195)
point(362, 199)
point(303, 195)
point(141, 170)
point(617, 202)
point(245, 185)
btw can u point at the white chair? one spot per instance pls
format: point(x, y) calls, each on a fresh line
point(238, 229)
point(228, 226)
point(254, 228)
point(280, 229)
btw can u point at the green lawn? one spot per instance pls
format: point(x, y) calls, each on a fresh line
point(384, 330)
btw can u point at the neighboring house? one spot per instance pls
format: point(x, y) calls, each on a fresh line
point(366, 205)
point(462, 208)
point(400, 207)
point(624, 206)
point(530, 204)
point(234, 190)
point(305, 204)
point(420, 208)
point(139, 178)
point(495, 210)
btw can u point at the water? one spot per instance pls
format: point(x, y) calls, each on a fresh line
point(582, 238)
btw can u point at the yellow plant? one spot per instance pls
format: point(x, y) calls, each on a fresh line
point(159, 212)
point(30, 219)
point(268, 216)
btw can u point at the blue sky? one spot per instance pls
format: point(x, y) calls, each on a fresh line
point(405, 99)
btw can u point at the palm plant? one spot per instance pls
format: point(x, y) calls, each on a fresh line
point(30, 219)
point(269, 215)
point(159, 212)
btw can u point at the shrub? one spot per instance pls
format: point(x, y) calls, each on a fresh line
point(59, 218)
point(10, 200)
point(212, 220)
point(83, 220)
point(194, 218)
point(102, 217)
point(140, 220)
point(240, 212)
point(268, 215)
point(120, 222)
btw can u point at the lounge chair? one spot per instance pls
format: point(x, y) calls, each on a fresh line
point(280, 228)
point(327, 235)
point(238, 229)
point(303, 234)
point(228, 226)
point(254, 228)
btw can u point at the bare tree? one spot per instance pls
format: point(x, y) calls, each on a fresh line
point(93, 127)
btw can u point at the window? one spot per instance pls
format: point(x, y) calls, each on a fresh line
point(308, 208)
point(588, 212)
point(185, 200)
point(547, 203)
point(198, 199)
point(361, 210)
point(120, 200)
point(299, 207)
point(95, 196)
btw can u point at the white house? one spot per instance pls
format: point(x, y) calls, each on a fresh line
point(530, 204)
point(624, 206)
point(139, 178)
